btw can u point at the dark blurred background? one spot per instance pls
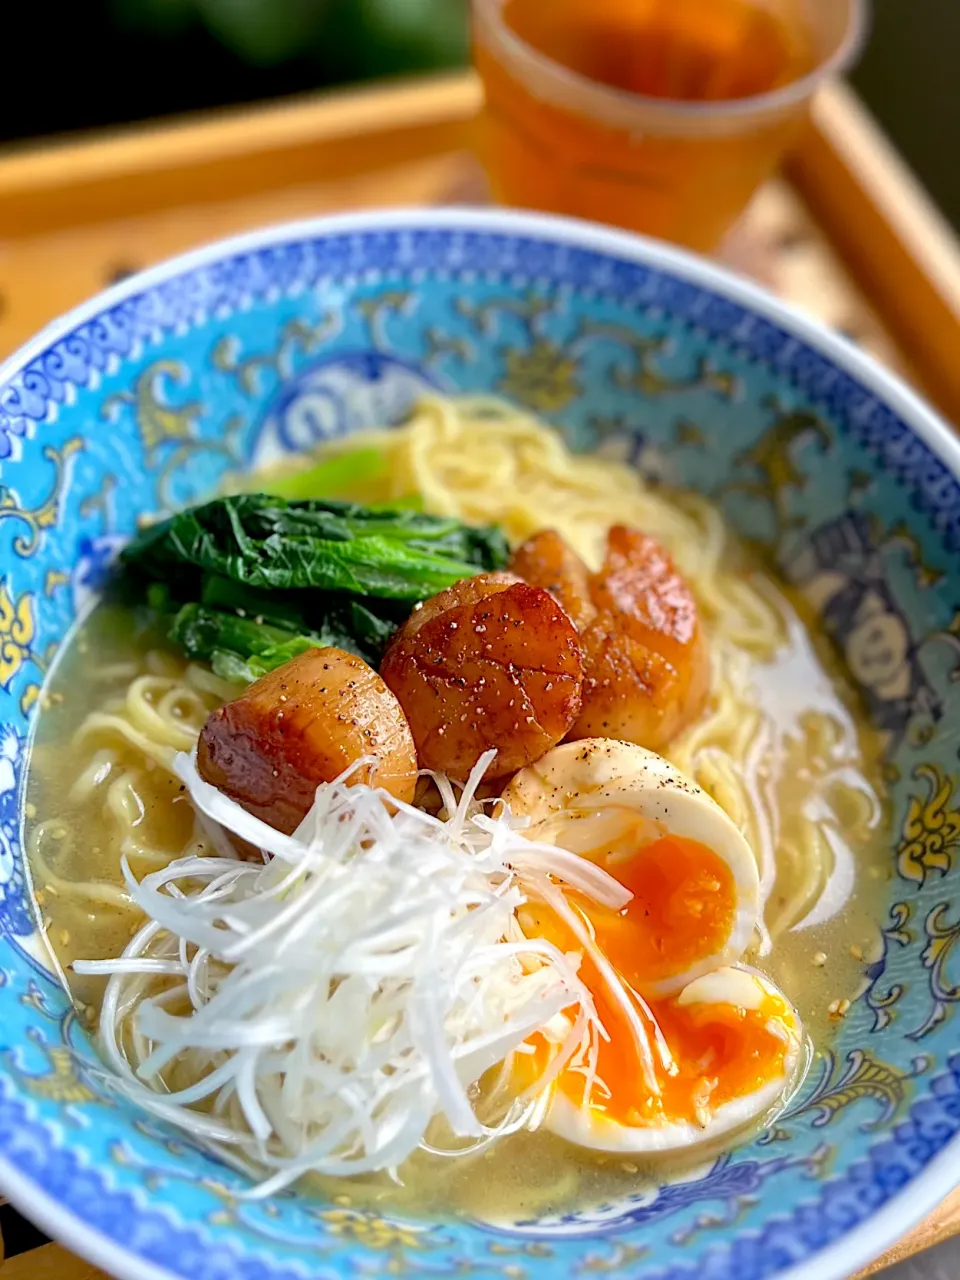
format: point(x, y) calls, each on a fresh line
point(106, 62)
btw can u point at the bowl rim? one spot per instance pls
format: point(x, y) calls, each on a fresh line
point(684, 264)
point(920, 1196)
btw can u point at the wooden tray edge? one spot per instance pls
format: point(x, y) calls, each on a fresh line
point(68, 182)
point(901, 250)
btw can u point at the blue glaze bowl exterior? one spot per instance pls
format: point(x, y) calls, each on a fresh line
point(143, 399)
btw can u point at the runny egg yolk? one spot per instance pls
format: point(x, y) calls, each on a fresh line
point(720, 1052)
point(684, 898)
point(683, 908)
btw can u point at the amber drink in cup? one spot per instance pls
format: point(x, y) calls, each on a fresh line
point(662, 116)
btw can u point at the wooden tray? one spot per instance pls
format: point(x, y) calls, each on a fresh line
point(847, 234)
point(850, 236)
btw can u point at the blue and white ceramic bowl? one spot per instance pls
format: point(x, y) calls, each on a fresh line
point(141, 399)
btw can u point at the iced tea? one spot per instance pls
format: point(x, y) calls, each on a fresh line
point(662, 116)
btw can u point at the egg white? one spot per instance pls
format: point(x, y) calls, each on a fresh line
point(581, 794)
point(739, 986)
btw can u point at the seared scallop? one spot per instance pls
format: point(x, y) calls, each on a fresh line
point(489, 663)
point(302, 725)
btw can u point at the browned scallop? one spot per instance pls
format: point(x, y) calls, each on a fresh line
point(489, 663)
point(547, 560)
point(646, 666)
point(630, 691)
point(302, 725)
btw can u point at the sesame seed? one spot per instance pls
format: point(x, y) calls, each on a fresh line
point(856, 952)
point(820, 959)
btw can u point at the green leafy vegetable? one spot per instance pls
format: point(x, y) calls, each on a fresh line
point(250, 581)
point(267, 542)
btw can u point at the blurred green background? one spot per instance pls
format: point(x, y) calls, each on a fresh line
point(105, 62)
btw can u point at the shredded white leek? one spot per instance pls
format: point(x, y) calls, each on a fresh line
point(319, 1009)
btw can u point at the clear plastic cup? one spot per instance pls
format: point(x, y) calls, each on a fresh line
point(677, 168)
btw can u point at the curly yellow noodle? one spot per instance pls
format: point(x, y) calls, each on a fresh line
point(101, 726)
point(100, 893)
point(124, 788)
point(87, 781)
point(161, 708)
point(807, 845)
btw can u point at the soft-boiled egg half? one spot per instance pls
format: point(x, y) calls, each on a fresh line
point(693, 1047)
point(694, 879)
point(734, 1046)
